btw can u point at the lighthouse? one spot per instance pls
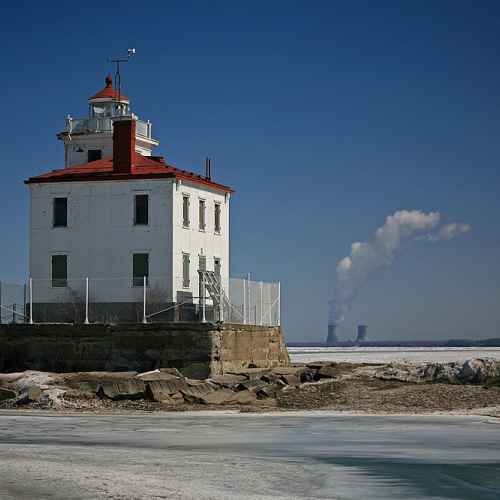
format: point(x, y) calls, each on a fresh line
point(91, 138)
point(124, 220)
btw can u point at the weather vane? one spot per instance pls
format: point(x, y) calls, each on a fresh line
point(118, 81)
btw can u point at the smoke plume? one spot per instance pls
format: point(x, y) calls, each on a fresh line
point(365, 258)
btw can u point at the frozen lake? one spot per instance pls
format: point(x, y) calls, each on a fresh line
point(313, 455)
point(387, 354)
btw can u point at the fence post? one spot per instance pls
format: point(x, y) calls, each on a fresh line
point(1, 303)
point(144, 319)
point(221, 306)
point(203, 312)
point(279, 303)
point(86, 301)
point(14, 313)
point(261, 303)
point(24, 303)
point(244, 301)
point(31, 301)
point(248, 314)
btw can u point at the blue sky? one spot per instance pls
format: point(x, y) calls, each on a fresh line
point(324, 116)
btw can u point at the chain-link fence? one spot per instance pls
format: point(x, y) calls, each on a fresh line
point(141, 299)
point(254, 302)
point(12, 303)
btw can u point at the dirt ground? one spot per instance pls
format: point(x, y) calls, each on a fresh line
point(379, 396)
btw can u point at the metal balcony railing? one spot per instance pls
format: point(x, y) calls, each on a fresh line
point(102, 125)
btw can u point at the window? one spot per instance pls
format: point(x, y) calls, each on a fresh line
point(140, 269)
point(141, 209)
point(217, 217)
point(60, 218)
point(202, 263)
point(202, 215)
point(59, 271)
point(185, 210)
point(217, 266)
point(94, 155)
point(185, 270)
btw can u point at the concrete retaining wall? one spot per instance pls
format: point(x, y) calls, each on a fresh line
point(198, 350)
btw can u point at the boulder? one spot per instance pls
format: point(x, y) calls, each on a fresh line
point(221, 397)
point(53, 397)
point(173, 399)
point(30, 378)
point(246, 397)
point(158, 375)
point(171, 371)
point(6, 394)
point(7, 378)
point(266, 392)
point(132, 388)
point(86, 386)
point(327, 371)
point(473, 371)
point(479, 371)
point(30, 395)
point(308, 376)
point(441, 372)
point(249, 385)
point(90, 382)
point(291, 379)
point(288, 370)
point(316, 365)
point(227, 380)
point(270, 378)
point(163, 390)
point(99, 376)
point(251, 373)
point(195, 391)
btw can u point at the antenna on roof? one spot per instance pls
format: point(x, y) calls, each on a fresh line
point(208, 169)
point(118, 80)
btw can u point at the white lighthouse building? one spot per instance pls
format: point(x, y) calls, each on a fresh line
point(120, 220)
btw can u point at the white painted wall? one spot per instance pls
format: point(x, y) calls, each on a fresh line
point(76, 149)
point(196, 242)
point(101, 237)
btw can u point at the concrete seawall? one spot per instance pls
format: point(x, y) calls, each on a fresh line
point(198, 350)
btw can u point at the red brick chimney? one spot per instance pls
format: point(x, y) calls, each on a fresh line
point(124, 145)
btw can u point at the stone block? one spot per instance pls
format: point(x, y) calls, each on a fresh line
point(32, 394)
point(123, 389)
point(327, 371)
point(163, 389)
point(220, 397)
point(246, 397)
point(227, 380)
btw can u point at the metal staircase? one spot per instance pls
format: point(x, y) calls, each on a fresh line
point(211, 282)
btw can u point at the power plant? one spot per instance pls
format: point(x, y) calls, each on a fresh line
point(362, 334)
point(332, 339)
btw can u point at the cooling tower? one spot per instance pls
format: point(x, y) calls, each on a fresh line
point(331, 339)
point(362, 333)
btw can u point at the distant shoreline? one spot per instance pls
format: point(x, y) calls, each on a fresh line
point(490, 342)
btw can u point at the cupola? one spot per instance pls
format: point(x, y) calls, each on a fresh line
point(91, 138)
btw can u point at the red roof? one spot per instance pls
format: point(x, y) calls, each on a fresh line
point(144, 168)
point(108, 92)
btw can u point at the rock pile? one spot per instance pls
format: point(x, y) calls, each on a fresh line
point(473, 371)
point(312, 385)
point(252, 386)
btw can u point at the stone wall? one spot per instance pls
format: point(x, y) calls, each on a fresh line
point(238, 347)
point(198, 350)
